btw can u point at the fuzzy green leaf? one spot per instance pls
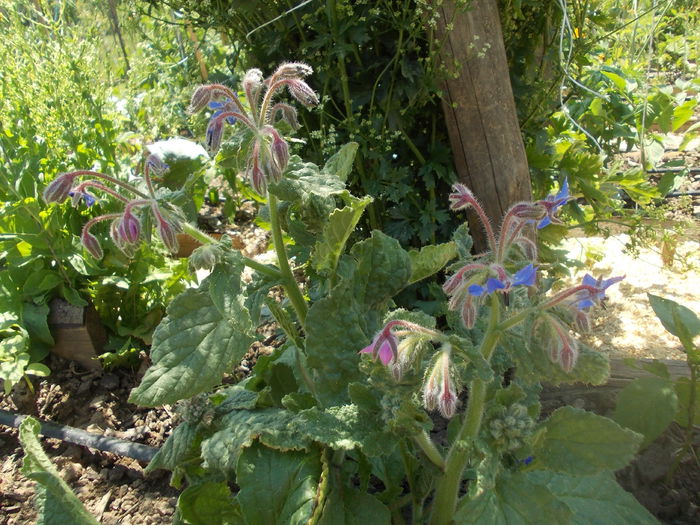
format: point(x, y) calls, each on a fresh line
point(579, 442)
point(209, 503)
point(647, 405)
point(206, 332)
point(277, 488)
point(341, 224)
point(430, 260)
point(594, 500)
point(515, 500)
point(352, 507)
point(241, 427)
point(383, 269)
point(178, 448)
point(664, 308)
point(336, 330)
point(340, 164)
point(57, 503)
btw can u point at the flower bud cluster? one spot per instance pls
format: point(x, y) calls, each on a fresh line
point(511, 428)
point(269, 152)
point(126, 228)
point(440, 385)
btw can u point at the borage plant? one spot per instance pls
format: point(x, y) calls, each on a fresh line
point(345, 422)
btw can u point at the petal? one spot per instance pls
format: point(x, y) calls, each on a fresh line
point(385, 353)
point(477, 290)
point(544, 222)
point(215, 105)
point(589, 280)
point(563, 194)
point(525, 276)
point(584, 303)
point(609, 282)
point(493, 284)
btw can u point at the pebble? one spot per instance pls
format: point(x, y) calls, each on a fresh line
point(71, 472)
point(109, 381)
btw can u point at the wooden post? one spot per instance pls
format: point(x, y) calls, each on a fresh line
point(479, 109)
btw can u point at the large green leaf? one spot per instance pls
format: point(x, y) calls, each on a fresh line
point(594, 500)
point(430, 260)
point(664, 308)
point(57, 503)
point(240, 428)
point(178, 448)
point(336, 330)
point(348, 506)
point(515, 500)
point(341, 224)
point(277, 488)
point(209, 503)
point(683, 387)
point(206, 332)
point(579, 442)
point(340, 164)
point(383, 269)
point(647, 405)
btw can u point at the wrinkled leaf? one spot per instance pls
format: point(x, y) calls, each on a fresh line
point(348, 506)
point(340, 164)
point(578, 442)
point(57, 503)
point(647, 405)
point(209, 503)
point(277, 488)
point(430, 260)
point(594, 500)
point(515, 500)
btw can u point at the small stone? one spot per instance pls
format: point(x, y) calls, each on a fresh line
point(109, 381)
point(71, 472)
point(73, 452)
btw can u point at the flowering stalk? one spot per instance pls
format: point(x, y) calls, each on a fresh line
point(447, 488)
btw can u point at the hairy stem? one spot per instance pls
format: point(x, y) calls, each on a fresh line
point(428, 447)
point(203, 238)
point(290, 284)
point(447, 488)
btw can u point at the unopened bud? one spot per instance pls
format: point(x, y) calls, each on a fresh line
point(205, 257)
point(168, 234)
point(59, 188)
point(156, 166)
point(301, 91)
point(528, 211)
point(293, 70)
point(257, 179)
point(92, 245)
point(215, 132)
point(280, 152)
point(200, 98)
point(129, 227)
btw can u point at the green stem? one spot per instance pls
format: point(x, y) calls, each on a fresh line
point(203, 238)
point(289, 282)
point(428, 447)
point(447, 488)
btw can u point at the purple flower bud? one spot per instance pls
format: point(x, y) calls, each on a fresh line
point(257, 179)
point(200, 98)
point(59, 188)
point(301, 91)
point(528, 211)
point(168, 234)
point(129, 227)
point(462, 198)
point(92, 245)
point(383, 346)
point(469, 312)
point(215, 132)
point(563, 349)
point(289, 114)
point(280, 152)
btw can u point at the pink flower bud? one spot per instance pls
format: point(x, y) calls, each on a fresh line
point(129, 227)
point(289, 114)
point(468, 312)
point(439, 391)
point(92, 245)
point(528, 211)
point(200, 98)
point(58, 189)
point(280, 153)
point(301, 91)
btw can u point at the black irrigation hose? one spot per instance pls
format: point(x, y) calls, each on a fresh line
point(78, 436)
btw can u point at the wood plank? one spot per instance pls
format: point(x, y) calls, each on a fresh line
point(488, 149)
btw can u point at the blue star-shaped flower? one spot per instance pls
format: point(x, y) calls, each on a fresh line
point(523, 277)
point(552, 203)
point(220, 107)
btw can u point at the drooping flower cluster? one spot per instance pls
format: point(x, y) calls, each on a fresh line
point(125, 228)
point(269, 153)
